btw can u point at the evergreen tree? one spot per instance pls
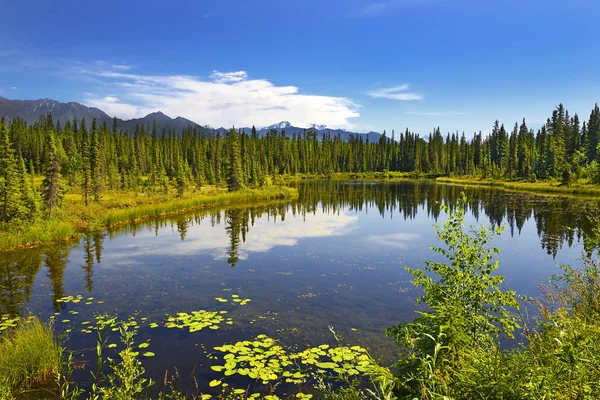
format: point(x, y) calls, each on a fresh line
point(234, 178)
point(10, 192)
point(51, 188)
point(28, 196)
point(95, 163)
point(86, 179)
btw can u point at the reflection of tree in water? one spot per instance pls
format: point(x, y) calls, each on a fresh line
point(88, 267)
point(558, 222)
point(17, 274)
point(98, 246)
point(233, 229)
point(92, 247)
point(55, 260)
point(182, 227)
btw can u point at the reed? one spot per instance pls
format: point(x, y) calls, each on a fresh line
point(29, 355)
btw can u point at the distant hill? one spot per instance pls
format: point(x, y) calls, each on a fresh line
point(290, 130)
point(31, 110)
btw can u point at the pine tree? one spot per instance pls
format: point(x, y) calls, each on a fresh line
point(180, 179)
point(29, 199)
point(10, 192)
point(234, 178)
point(86, 181)
point(95, 164)
point(51, 188)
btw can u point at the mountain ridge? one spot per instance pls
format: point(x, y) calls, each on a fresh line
point(31, 110)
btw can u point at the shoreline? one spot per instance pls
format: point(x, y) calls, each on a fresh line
point(539, 187)
point(542, 187)
point(78, 220)
point(57, 231)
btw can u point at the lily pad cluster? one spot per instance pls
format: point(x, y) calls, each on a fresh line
point(261, 359)
point(7, 322)
point(198, 320)
point(77, 299)
point(235, 299)
point(343, 360)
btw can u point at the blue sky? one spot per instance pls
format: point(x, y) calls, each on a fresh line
point(389, 64)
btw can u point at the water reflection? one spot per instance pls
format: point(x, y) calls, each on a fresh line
point(17, 273)
point(322, 210)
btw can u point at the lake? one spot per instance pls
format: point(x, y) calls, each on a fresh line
point(332, 259)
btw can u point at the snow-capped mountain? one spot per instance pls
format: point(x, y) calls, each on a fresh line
point(31, 110)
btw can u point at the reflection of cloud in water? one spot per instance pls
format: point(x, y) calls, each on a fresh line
point(398, 240)
point(263, 236)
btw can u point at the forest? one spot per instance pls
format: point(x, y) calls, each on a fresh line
point(46, 164)
point(89, 160)
point(62, 179)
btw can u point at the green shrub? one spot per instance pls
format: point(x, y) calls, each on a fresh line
point(466, 312)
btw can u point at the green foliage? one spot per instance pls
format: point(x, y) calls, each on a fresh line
point(466, 311)
point(52, 186)
point(235, 179)
point(29, 355)
point(126, 379)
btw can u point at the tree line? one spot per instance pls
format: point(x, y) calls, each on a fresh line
point(93, 159)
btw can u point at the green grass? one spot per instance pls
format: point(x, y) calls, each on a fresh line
point(359, 176)
point(42, 231)
point(548, 187)
point(172, 206)
point(29, 355)
point(117, 208)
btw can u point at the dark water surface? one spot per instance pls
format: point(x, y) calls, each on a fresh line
point(334, 257)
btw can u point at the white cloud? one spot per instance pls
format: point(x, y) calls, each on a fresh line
point(14, 88)
point(263, 236)
point(436, 113)
point(122, 67)
point(398, 240)
point(113, 107)
point(395, 93)
point(229, 77)
point(224, 99)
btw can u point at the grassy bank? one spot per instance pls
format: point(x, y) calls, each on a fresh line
point(359, 176)
point(117, 208)
point(549, 187)
point(29, 355)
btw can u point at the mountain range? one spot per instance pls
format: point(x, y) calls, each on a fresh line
point(31, 110)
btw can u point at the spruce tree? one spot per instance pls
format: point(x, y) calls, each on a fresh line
point(10, 192)
point(95, 163)
point(180, 178)
point(29, 199)
point(51, 187)
point(234, 178)
point(86, 179)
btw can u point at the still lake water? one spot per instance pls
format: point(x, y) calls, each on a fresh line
point(332, 258)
